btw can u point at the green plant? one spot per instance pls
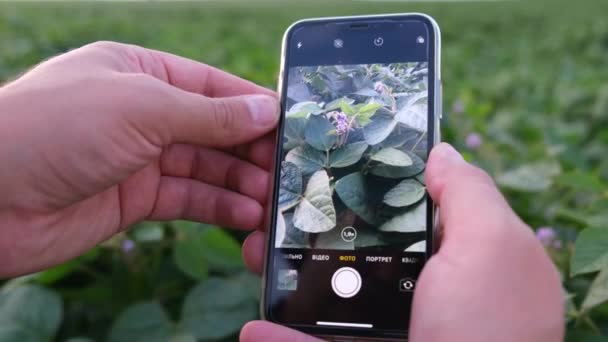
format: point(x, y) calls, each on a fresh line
point(355, 153)
point(525, 98)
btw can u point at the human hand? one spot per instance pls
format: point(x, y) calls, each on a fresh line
point(107, 135)
point(490, 280)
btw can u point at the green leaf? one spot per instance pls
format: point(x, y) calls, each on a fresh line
point(146, 321)
point(414, 114)
point(217, 308)
point(333, 240)
point(412, 220)
point(189, 257)
point(347, 155)
point(598, 292)
point(407, 192)
point(221, 251)
point(352, 190)
point(29, 313)
point(392, 157)
point(320, 133)
point(294, 131)
point(316, 212)
point(590, 252)
point(366, 111)
point(400, 136)
point(287, 235)
point(580, 181)
point(366, 92)
point(302, 109)
point(149, 232)
point(378, 129)
point(420, 178)
point(290, 186)
point(418, 247)
point(535, 177)
point(307, 159)
point(343, 103)
point(389, 171)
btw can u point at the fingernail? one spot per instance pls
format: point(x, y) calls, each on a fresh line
point(447, 153)
point(264, 109)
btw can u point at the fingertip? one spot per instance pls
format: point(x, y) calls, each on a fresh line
point(264, 110)
point(262, 331)
point(443, 157)
point(253, 251)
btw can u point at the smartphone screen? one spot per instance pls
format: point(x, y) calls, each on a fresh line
point(352, 221)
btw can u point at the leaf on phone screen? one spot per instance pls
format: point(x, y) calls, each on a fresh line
point(302, 109)
point(407, 192)
point(290, 187)
point(352, 190)
point(390, 171)
point(294, 131)
point(399, 136)
point(412, 220)
point(379, 129)
point(287, 235)
point(347, 155)
point(367, 111)
point(320, 133)
point(316, 212)
point(366, 92)
point(307, 159)
point(419, 247)
point(343, 104)
point(413, 111)
point(392, 157)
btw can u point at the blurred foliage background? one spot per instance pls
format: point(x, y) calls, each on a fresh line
point(526, 98)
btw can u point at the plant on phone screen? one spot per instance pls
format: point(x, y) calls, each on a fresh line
point(355, 149)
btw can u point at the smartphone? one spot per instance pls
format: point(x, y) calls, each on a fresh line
point(351, 223)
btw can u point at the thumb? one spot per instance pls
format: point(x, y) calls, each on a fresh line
point(470, 205)
point(171, 115)
point(226, 121)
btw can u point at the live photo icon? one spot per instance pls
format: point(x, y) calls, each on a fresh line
point(406, 285)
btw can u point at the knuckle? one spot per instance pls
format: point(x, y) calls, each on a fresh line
point(224, 116)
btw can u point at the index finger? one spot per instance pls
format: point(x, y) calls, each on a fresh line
point(193, 76)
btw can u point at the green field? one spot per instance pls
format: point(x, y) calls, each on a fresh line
point(526, 98)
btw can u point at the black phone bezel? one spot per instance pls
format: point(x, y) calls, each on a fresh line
point(273, 205)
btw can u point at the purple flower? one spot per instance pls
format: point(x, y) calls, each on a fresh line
point(473, 141)
point(548, 237)
point(458, 107)
point(127, 246)
point(341, 122)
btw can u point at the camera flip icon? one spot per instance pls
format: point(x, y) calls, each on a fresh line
point(407, 285)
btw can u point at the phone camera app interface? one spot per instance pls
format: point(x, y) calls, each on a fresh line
point(354, 154)
point(351, 224)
